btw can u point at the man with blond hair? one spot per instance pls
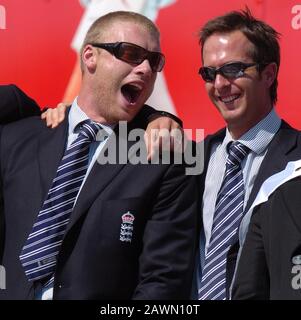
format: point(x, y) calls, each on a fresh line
point(78, 229)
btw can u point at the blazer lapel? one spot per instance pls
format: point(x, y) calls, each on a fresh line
point(291, 195)
point(283, 142)
point(100, 177)
point(51, 147)
point(208, 143)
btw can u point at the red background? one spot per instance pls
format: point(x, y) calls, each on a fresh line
point(36, 55)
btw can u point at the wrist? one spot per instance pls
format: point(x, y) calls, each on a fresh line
point(159, 114)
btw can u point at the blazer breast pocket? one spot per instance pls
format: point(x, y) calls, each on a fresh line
point(122, 221)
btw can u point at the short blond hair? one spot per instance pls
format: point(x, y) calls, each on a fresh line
point(99, 28)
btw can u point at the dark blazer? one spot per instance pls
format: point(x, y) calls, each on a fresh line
point(15, 104)
point(284, 147)
point(265, 269)
point(93, 262)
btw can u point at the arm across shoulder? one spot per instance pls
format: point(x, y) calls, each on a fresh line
point(16, 105)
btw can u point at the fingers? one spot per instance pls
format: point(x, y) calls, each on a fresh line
point(62, 107)
point(46, 115)
point(178, 140)
point(54, 117)
point(43, 115)
point(163, 134)
point(151, 138)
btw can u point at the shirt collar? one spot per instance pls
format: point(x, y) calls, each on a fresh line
point(77, 116)
point(258, 137)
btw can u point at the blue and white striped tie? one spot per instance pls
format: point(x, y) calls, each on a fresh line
point(227, 217)
point(39, 254)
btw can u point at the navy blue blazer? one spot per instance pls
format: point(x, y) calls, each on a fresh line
point(93, 262)
point(284, 147)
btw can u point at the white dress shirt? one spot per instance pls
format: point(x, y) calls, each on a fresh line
point(76, 116)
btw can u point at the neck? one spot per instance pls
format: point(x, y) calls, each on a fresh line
point(88, 103)
point(238, 130)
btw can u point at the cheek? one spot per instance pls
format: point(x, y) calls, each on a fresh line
point(210, 90)
point(247, 85)
point(113, 69)
point(152, 82)
point(151, 85)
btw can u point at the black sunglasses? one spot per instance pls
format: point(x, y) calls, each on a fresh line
point(133, 54)
point(231, 70)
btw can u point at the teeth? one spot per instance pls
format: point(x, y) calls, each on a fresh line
point(229, 98)
point(136, 86)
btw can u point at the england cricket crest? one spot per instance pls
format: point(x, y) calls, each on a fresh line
point(126, 229)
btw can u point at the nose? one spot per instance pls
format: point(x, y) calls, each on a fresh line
point(221, 82)
point(144, 67)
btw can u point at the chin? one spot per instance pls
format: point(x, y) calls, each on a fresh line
point(131, 111)
point(126, 116)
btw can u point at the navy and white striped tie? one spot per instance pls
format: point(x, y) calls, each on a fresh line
point(227, 217)
point(39, 254)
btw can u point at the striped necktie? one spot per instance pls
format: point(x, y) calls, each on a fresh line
point(39, 254)
point(227, 217)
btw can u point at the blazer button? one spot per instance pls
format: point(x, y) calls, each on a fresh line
point(60, 286)
point(296, 259)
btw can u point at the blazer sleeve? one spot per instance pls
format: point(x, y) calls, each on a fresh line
point(167, 260)
point(148, 113)
point(16, 105)
point(252, 277)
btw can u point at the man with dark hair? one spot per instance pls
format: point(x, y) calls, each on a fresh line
point(241, 59)
point(75, 228)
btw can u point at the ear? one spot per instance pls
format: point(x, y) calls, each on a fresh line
point(269, 73)
point(89, 57)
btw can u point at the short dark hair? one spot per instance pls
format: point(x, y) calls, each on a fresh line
point(264, 38)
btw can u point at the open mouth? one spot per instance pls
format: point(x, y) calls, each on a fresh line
point(229, 99)
point(131, 92)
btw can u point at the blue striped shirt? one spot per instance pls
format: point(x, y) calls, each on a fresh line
point(257, 140)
